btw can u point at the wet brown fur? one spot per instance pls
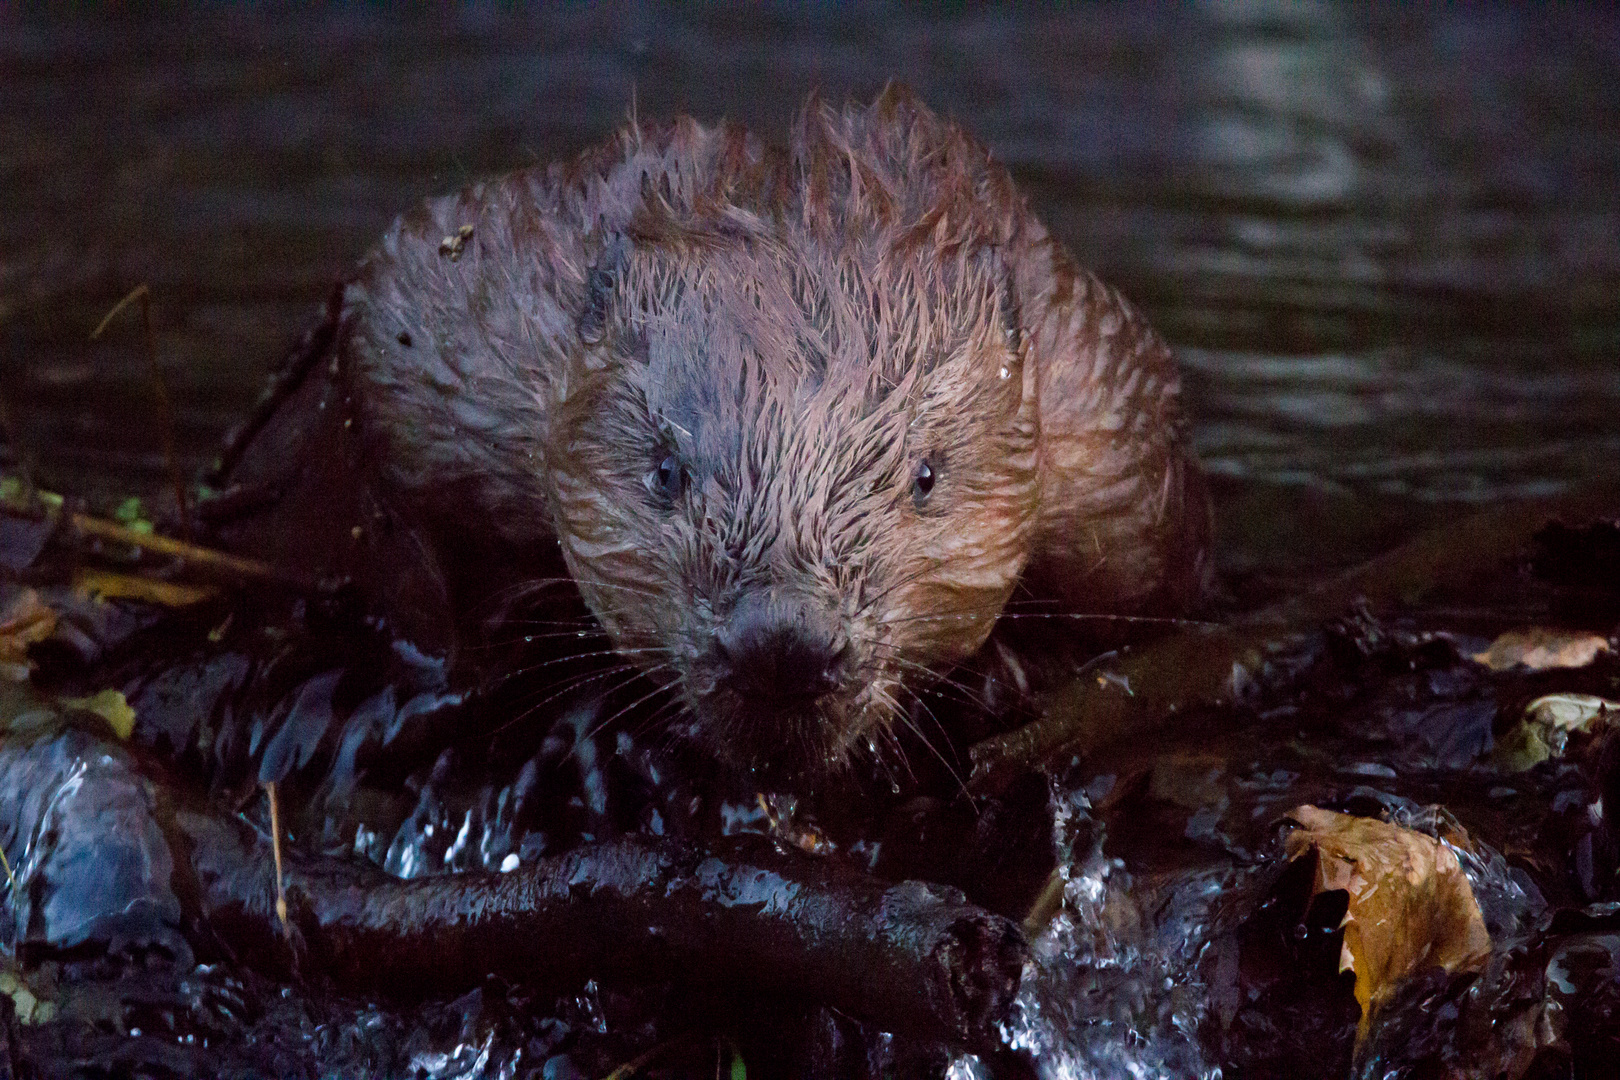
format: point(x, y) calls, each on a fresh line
point(799, 328)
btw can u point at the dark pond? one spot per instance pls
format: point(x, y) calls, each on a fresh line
point(1385, 242)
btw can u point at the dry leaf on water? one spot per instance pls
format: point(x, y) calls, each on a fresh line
point(1411, 906)
point(1540, 648)
point(25, 620)
point(1545, 729)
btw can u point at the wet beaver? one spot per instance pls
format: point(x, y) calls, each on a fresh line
point(798, 421)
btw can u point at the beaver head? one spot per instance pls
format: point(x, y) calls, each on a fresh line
point(795, 471)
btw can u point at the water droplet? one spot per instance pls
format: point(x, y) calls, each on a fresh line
point(1006, 372)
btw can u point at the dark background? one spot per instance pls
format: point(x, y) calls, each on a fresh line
point(1385, 242)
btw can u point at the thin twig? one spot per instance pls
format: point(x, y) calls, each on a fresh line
point(11, 879)
point(194, 555)
point(25, 463)
point(171, 455)
point(275, 852)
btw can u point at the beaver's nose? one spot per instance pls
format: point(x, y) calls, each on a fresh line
point(778, 649)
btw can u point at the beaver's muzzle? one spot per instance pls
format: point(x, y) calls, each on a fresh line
point(779, 650)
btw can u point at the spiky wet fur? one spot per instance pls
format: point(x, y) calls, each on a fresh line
point(799, 329)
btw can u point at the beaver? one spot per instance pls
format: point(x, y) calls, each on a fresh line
point(796, 421)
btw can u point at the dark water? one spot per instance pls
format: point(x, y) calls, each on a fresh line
point(1386, 242)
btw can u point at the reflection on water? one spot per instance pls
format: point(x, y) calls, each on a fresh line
point(1425, 251)
point(1386, 242)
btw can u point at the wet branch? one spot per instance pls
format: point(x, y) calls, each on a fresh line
point(1209, 665)
point(207, 560)
point(910, 958)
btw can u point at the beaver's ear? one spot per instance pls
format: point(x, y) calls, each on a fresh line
point(601, 282)
point(1123, 520)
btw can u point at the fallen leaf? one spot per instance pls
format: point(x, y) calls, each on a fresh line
point(1545, 729)
point(30, 1009)
point(1411, 906)
point(111, 706)
point(1540, 648)
point(24, 620)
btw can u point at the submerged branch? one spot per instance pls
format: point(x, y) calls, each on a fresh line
point(1141, 692)
point(910, 958)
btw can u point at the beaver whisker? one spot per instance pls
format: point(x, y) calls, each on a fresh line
point(656, 718)
point(916, 729)
point(886, 732)
point(936, 680)
point(503, 644)
point(571, 684)
point(519, 591)
point(525, 713)
point(630, 674)
point(987, 611)
point(584, 622)
point(529, 669)
point(1103, 616)
point(657, 689)
point(507, 677)
point(567, 685)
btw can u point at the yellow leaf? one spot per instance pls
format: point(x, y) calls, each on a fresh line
point(25, 620)
point(1411, 906)
point(111, 707)
point(1544, 731)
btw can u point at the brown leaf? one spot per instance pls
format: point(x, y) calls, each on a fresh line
point(1540, 648)
point(24, 620)
point(1411, 906)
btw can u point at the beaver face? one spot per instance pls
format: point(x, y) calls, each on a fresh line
point(795, 479)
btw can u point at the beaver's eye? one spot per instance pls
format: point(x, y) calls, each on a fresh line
point(922, 482)
point(668, 480)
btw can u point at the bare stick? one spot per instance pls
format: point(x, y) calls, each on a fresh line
point(206, 559)
point(143, 294)
point(911, 958)
point(275, 852)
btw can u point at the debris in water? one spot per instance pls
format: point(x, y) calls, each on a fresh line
point(1548, 723)
point(110, 705)
point(1540, 648)
point(455, 244)
point(1410, 905)
point(24, 620)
